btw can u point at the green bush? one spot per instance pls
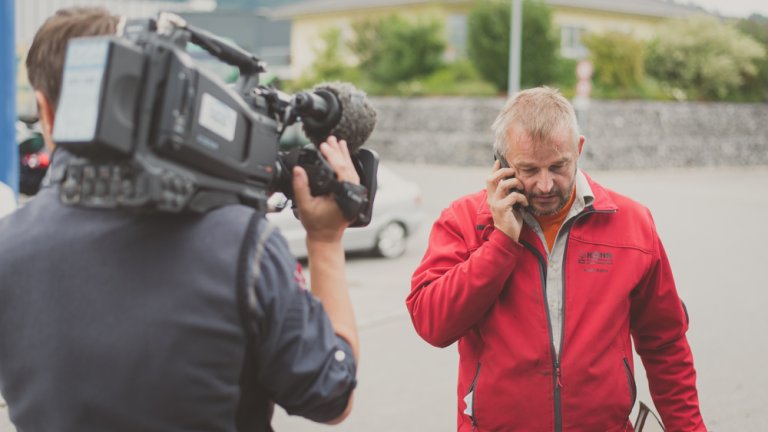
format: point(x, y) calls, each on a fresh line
point(618, 60)
point(703, 58)
point(488, 43)
point(755, 88)
point(453, 79)
point(328, 65)
point(565, 73)
point(395, 49)
point(649, 89)
point(458, 78)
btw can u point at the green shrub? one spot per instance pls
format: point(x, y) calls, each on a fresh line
point(703, 58)
point(395, 49)
point(649, 88)
point(618, 60)
point(453, 79)
point(755, 88)
point(460, 79)
point(488, 43)
point(565, 73)
point(328, 65)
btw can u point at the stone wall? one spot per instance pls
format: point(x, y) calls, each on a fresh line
point(620, 134)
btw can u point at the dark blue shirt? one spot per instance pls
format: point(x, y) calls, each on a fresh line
point(111, 320)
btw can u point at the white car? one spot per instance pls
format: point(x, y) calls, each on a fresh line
point(397, 213)
point(7, 203)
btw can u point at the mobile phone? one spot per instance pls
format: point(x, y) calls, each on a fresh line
point(497, 156)
point(504, 164)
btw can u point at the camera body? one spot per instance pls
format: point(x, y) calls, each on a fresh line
point(151, 131)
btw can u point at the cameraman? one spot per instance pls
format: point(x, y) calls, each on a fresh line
point(117, 321)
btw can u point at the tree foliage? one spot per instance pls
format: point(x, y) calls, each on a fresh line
point(488, 42)
point(703, 57)
point(328, 64)
point(618, 59)
point(395, 49)
point(756, 87)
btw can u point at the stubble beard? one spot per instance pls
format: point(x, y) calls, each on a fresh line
point(563, 200)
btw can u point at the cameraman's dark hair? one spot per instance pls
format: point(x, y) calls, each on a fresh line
point(45, 59)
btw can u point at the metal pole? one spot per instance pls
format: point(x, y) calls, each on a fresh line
point(9, 156)
point(515, 46)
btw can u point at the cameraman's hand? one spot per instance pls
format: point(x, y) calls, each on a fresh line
point(320, 215)
point(504, 191)
point(325, 225)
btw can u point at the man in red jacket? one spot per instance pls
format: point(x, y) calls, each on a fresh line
point(542, 277)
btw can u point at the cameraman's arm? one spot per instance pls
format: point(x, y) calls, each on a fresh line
point(303, 365)
point(325, 225)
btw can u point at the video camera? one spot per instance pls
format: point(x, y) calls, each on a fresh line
point(150, 131)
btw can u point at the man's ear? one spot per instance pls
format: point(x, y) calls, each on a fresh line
point(581, 143)
point(47, 117)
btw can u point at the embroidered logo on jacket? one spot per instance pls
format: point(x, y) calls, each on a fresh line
point(596, 258)
point(604, 258)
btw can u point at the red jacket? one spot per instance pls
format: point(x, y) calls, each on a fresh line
point(477, 286)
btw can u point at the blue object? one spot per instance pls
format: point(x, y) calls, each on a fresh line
point(9, 155)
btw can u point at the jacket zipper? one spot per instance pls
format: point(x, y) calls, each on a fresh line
point(559, 385)
point(632, 386)
point(473, 389)
point(555, 361)
point(556, 370)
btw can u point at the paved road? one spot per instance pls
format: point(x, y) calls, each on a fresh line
point(713, 224)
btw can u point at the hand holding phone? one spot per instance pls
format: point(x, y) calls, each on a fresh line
point(506, 198)
point(504, 164)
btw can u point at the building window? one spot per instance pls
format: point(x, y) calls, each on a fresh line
point(570, 42)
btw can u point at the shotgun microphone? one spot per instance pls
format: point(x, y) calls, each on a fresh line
point(337, 109)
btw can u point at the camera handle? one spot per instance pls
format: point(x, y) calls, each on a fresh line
point(250, 66)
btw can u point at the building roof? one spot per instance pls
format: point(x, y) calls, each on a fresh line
point(653, 8)
point(312, 7)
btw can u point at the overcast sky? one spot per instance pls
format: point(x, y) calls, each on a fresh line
point(735, 8)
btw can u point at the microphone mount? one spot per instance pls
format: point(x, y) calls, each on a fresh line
point(320, 110)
